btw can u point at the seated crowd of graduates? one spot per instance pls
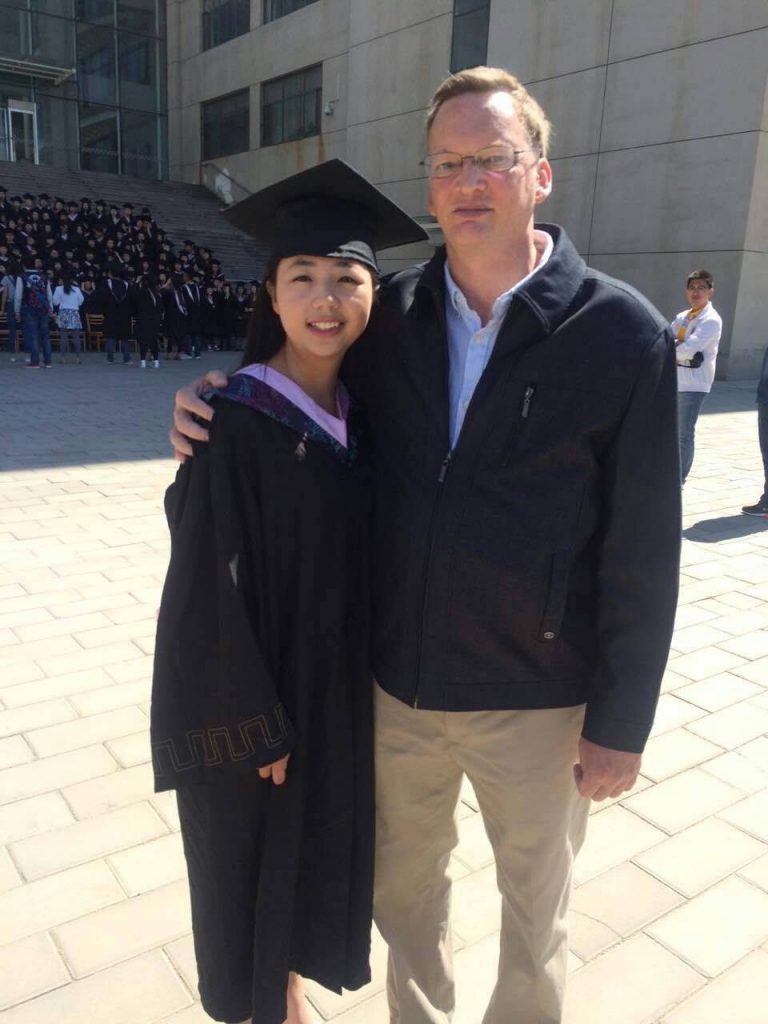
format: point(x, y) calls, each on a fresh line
point(127, 269)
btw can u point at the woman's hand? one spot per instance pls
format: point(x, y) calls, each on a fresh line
point(276, 771)
point(188, 404)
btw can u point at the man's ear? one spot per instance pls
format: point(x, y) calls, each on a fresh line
point(543, 180)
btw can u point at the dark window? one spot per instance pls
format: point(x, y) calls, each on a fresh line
point(290, 106)
point(469, 46)
point(274, 9)
point(226, 125)
point(223, 20)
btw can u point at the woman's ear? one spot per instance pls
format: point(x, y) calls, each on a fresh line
point(272, 292)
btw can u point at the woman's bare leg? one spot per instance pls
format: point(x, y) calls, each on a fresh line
point(298, 1007)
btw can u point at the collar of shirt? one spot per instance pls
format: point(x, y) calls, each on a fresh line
point(470, 344)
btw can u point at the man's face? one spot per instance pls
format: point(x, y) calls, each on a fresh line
point(699, 293)
point(476, 208)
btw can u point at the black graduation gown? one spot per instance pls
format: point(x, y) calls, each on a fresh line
point(262, 649)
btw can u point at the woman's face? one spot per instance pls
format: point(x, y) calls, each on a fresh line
point(323, 303)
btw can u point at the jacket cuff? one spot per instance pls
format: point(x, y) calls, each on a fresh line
point(615, 733)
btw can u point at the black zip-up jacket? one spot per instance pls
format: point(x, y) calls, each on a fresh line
point(535, 565)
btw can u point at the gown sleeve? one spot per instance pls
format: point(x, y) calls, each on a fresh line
point(216, 711)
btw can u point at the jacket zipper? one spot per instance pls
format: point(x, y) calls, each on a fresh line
point(445, 465)
point(528, 394)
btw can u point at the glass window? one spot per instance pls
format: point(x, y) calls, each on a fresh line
point(99, 146)
point(223, 20)
point(25, 33)
point(138, 16)
point(274, 9)
point(290, 106)
point(57, 131)
point(139, 144)
point(137, 63)
point(96, 66)
point(226, 125)
point(99, 12)
point(469, 46)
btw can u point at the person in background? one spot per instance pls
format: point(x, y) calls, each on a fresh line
point(116, 306)
point(176, 316)
point(697, 331)
point(209, 317)
point(67, 300)
point(760, 508)
point(33, 302)
point(147, 304)
point(9, 281)
point(190, 292)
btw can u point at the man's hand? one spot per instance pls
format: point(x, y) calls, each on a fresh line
point(602, 772)
point(275, 771)
point(188, 403)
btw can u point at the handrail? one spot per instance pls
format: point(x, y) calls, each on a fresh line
point(219, 181)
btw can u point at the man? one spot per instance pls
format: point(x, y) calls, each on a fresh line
point(760, 508)
point(697, 333)
point(526, 548)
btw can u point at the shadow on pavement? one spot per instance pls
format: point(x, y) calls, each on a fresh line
point(709, 531)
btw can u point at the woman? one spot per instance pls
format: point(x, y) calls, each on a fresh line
point(261, 713)
point(67, 300)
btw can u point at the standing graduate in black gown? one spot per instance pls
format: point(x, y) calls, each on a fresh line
point(261, 704)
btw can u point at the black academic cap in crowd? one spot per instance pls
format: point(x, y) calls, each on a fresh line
point(73, 204)
point(129, 205)
point(114, 206)
point(101, 202)
point(58, 199)
point(28, 195)
point(327, 210)
point(15, 199)
point(3, 189)
point(188, 241)
point(44, 195)
point(84, 199)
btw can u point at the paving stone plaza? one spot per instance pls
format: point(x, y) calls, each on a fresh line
point(669, 921)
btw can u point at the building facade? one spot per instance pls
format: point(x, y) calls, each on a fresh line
point(82, 84)
point(660, 111)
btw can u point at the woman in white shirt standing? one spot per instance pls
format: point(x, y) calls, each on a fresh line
point(68, 299)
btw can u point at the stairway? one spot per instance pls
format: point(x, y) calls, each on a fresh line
point(184, 211)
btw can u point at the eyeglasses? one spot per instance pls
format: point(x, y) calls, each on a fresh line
point(492, 159)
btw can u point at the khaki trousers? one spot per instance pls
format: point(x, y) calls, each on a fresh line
point(520, 764)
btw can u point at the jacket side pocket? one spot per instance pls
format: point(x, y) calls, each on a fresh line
point(554, 606)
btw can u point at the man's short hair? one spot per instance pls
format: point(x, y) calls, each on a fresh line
point(701, 275)
point(486, 80)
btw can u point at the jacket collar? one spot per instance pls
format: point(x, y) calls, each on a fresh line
point(548, 294)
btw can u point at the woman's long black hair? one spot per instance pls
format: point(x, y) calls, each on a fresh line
point(265, 331)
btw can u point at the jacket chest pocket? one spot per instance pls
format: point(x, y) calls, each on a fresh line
point(547, 420)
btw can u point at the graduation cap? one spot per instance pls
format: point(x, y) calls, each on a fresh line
point(15, 199)
point(85, 199)
point(328, 210)
point(73, 204)
point(58, 199)
point(28, 195)
point(3, 189)
point(44, 195)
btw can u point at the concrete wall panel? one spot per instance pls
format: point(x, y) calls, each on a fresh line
point(709, 89)
point(573, 103)
point(750, 334)
point(390, 149)
point(256, 170)
point(652, 25)
point(756, 240)
point(663, 198)
point(537, 39)
point(572, 196)
point(382, 84)
point(370, 20)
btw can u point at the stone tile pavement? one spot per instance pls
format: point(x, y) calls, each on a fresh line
point(669, 923)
